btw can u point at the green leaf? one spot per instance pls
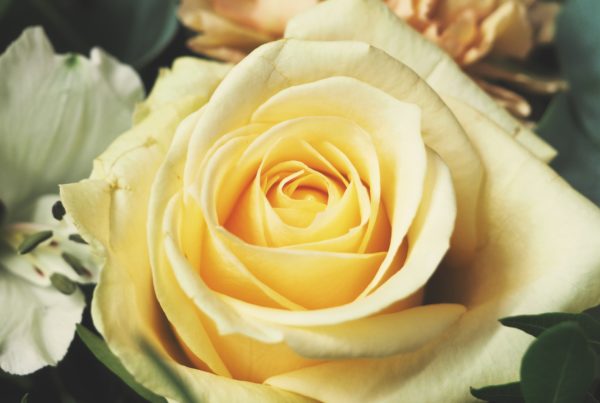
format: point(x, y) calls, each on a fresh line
point(558, 367)
point(506, 393)
point(4, 5)
point(101, 351)
point(135, 31)
point(25, 398)
point(537, 324)
point(594, 312)
point(590, 398)
point(572, 123)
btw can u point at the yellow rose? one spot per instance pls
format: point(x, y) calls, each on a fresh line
point(344, 219)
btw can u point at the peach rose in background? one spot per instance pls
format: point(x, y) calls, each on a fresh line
point(342, 216)
point(233, 28)
point(469, 30)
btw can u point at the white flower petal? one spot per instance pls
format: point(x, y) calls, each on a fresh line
point(37, 326)
point(57, 113)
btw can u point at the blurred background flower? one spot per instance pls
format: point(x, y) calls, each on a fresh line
point(493, 40)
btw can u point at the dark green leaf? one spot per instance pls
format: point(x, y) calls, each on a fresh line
point(572, 123)
point(101, 351)
point(25, 398)
point(506, 393)
point(558, 367)
point(594, 312)
point(591, 399)
point(4, 5)
point(536, 324)
point(167, 373)
point(135, 31)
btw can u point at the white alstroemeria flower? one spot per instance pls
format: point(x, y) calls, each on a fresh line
point(57, 113)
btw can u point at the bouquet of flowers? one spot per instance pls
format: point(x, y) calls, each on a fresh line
point(337, 201)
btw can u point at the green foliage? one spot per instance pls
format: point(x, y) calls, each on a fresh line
point(135, 31)
point(572, 122)
point(560, 366)
point(101, 351)
point(506, 393)
point(537, 324)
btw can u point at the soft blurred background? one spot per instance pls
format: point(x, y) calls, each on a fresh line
point(142, 33)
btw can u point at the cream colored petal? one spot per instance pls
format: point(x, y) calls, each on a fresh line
point(173, 301)
point(329, 21)
point(189, 79)
point(377, 336)
point(542, 254)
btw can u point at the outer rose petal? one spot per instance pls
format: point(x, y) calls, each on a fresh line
point(125, 307)
point(329, 21)
point(529, 264)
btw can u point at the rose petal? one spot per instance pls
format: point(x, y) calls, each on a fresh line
point(377, 336)
point(329, 21)
point(429, 236)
